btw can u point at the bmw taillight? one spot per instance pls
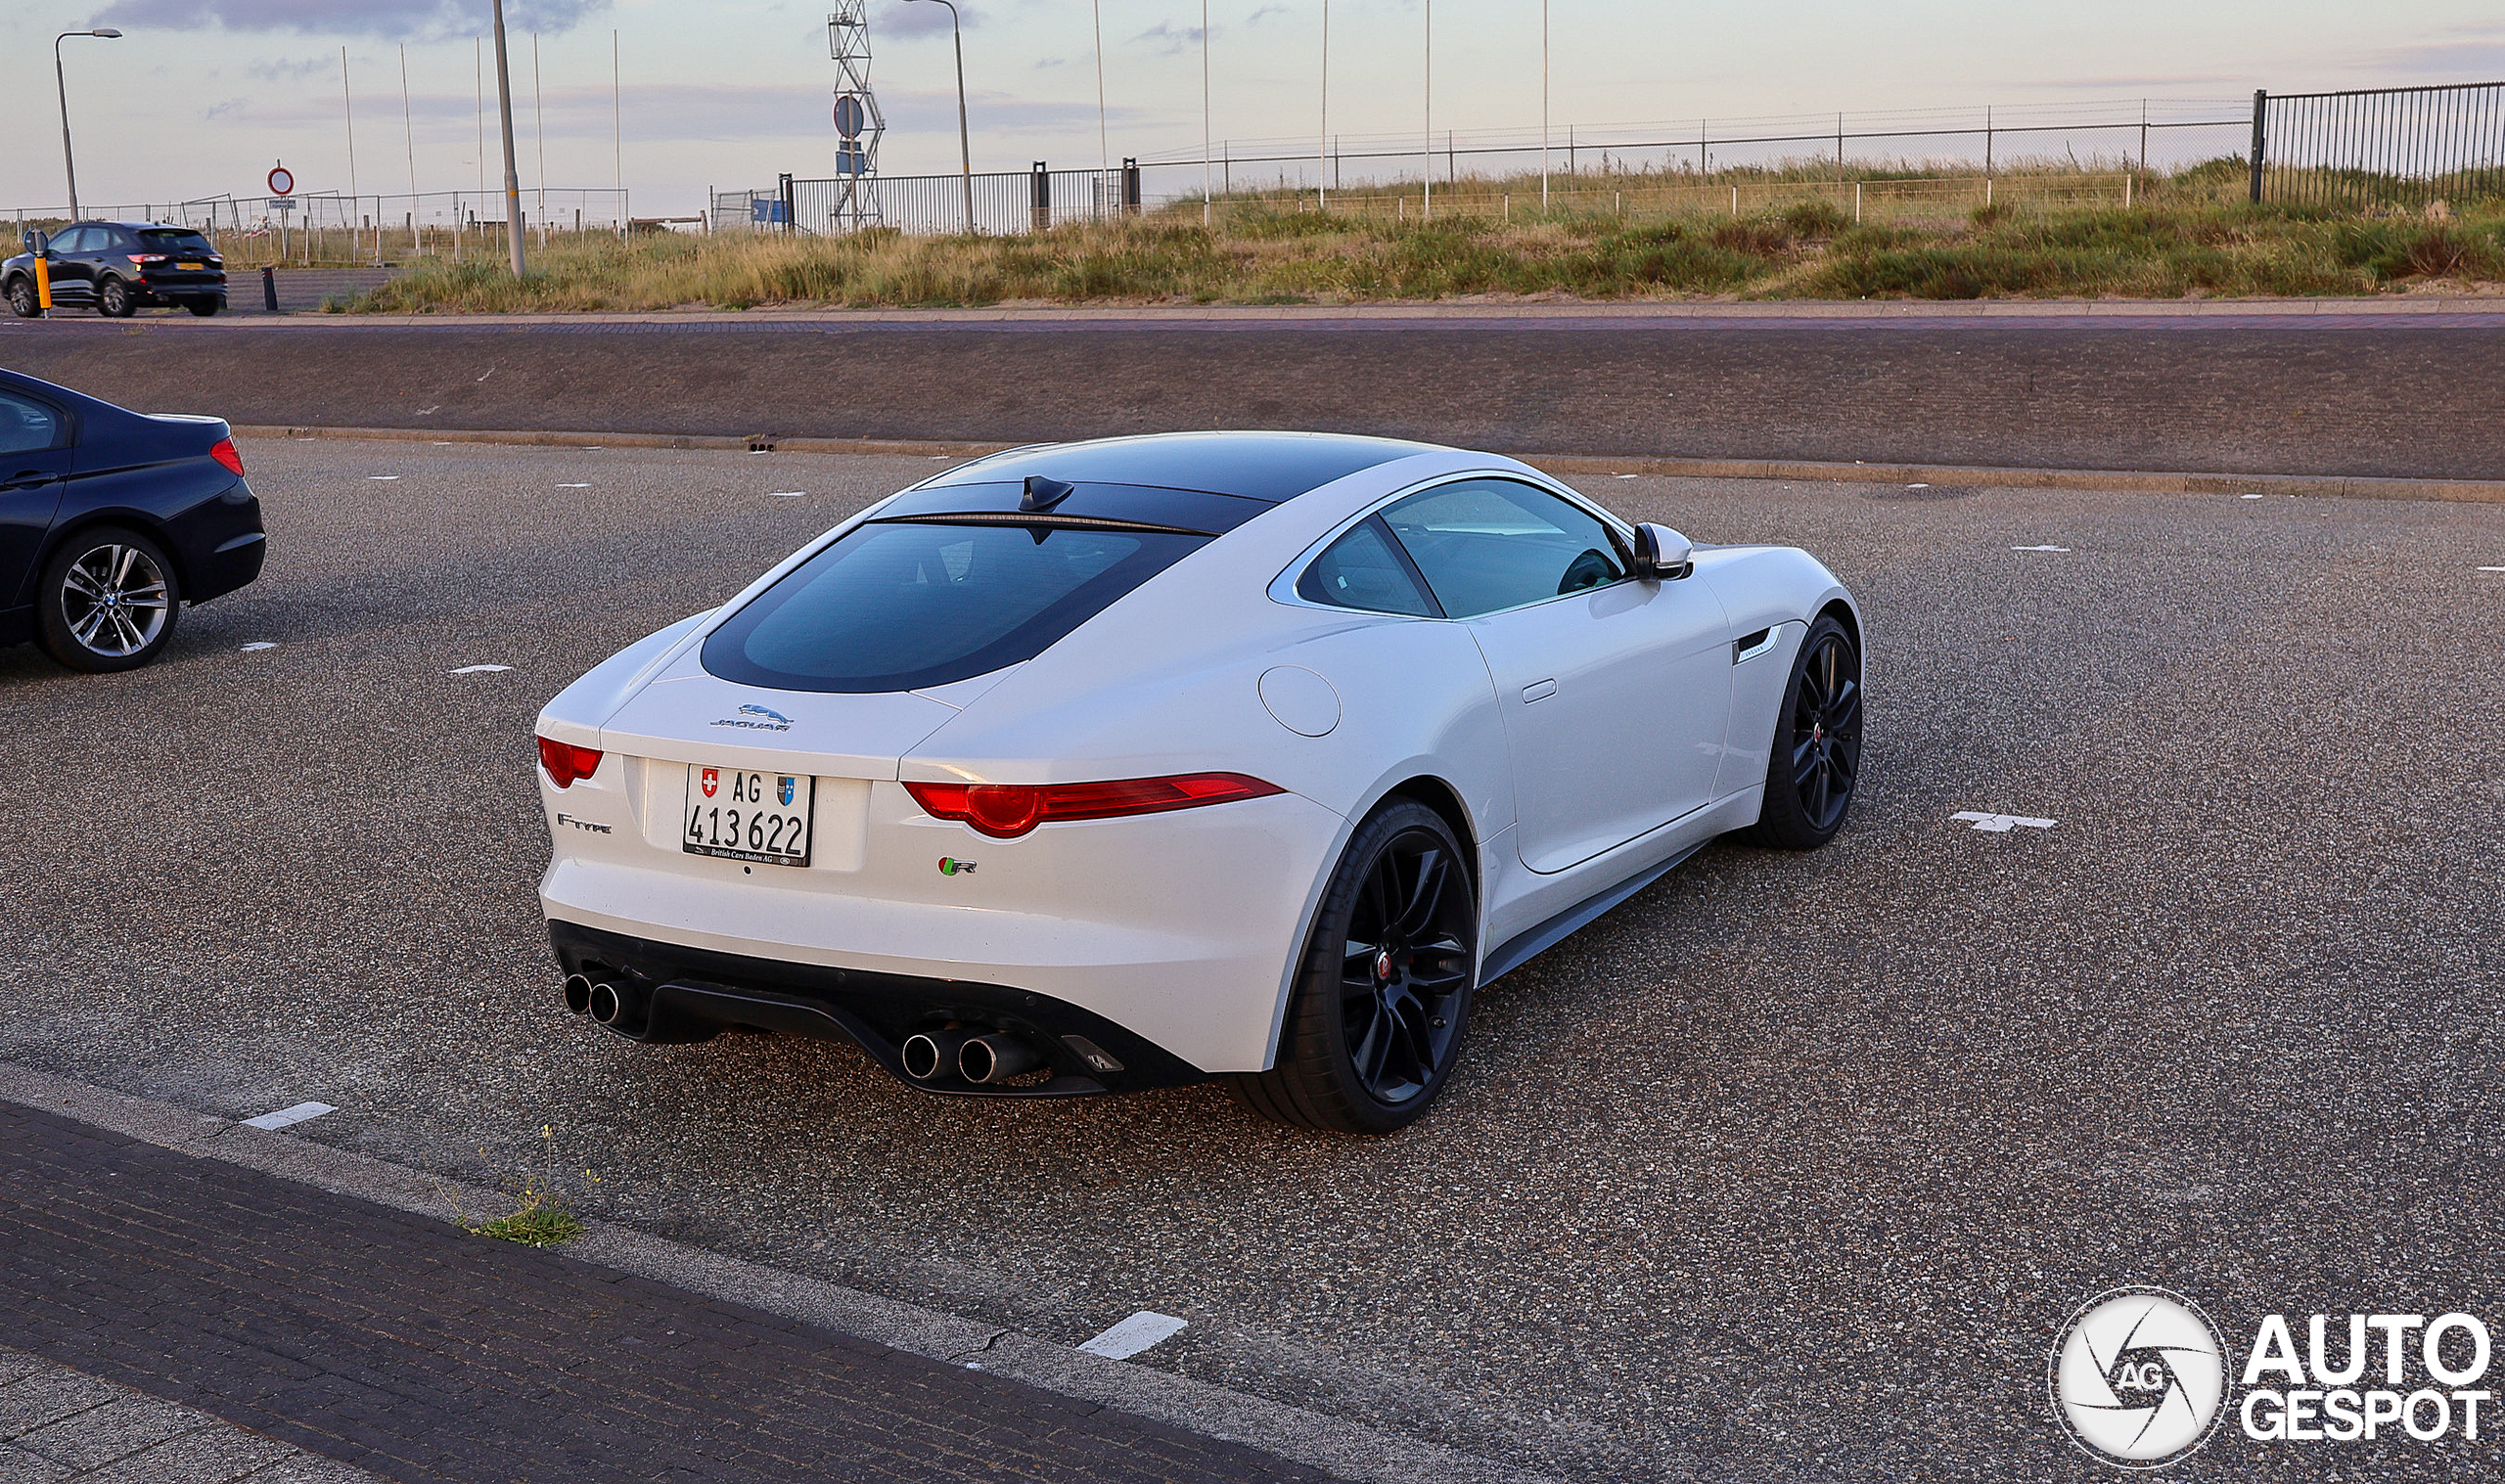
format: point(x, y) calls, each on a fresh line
point(1005, 811)
point(223, 451)
point(567, 763)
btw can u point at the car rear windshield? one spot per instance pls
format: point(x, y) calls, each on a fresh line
point(173, 240)
point(902, 606)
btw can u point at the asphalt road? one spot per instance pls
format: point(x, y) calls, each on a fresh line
point(1790, 1168)
point(2374, 395)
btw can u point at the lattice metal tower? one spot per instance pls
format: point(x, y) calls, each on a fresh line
point(857, 121)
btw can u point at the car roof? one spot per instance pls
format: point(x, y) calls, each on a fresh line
point(1268, 466)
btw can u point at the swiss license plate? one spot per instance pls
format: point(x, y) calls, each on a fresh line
point(741, 814)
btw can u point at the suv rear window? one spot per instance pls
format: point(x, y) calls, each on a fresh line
point(903, 606)
point(175, 240)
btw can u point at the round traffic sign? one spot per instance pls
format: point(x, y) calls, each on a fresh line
point(849, 115)
point(281, 181)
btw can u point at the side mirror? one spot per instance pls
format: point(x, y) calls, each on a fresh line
point(1661, 553)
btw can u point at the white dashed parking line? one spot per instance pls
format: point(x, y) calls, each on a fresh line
point(260, 644)
point(1135, 1334)
point(481, 669)
point(785, 494)
point(384, 479)
point(585, 485)
point(2039, 548)
point(2000, 824)
point(288, 1118)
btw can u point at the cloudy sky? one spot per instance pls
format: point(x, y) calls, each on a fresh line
point(202, 96)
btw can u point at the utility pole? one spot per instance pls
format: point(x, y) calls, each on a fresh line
point(1427, 205)
point(1543, 107)
point(1322, 140)
point(513, 177)
point(1209, 202)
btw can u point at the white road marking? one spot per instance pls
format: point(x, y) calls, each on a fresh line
point(260, 644)
point(1626, 476)
point(585, 485)
point(479, 669)
point(2492, 568)
point(2039, 548)
point(288, 1118)
point(2252, 497)
point(2000, 824)
point(1135, 1334)
point(386, 478)
point(438, 442)
point(785, 494)
point(1917, 486)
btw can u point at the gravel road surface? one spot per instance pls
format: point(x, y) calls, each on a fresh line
point(2361, 395)
point(1790, 1168)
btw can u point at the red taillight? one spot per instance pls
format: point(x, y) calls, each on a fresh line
point(1005, 811)
point(223, 451)
point(566, 762)
point(143, 260)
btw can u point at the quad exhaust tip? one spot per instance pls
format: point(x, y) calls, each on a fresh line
point(982, 1060)
point(995, 1058)
point(606, 1004)
point(577, 994)
point(927, 1054)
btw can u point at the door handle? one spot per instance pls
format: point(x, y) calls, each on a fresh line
point(1538, 690)
point(28, 478)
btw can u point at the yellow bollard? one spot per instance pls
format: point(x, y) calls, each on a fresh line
point(43, 283)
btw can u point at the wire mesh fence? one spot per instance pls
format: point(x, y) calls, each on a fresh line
point(321, 228)
point(2381, 147)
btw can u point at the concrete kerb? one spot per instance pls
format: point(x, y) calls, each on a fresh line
point(1346, 1450)
point(2110, 481)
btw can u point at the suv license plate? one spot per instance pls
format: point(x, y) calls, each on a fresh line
point(743, 815)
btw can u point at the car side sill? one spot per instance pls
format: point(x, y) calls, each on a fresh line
point(1523, 947)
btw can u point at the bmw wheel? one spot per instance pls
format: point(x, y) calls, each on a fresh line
point(1383, 995)
point(22, 299)
point(114, 300)
point(107, 601)
point(1816, 759)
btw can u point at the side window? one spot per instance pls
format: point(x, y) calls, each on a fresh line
point(27, 427)
point(70, 242)
point(1491, 544)
point(1362, 570)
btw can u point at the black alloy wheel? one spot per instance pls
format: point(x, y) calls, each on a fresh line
point(1384, 997)
point(114, 300)
point(107, 601)
point(1815, 764)
point(22, 299)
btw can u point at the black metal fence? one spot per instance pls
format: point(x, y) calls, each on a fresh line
point(997, 203)
point(2383, 146)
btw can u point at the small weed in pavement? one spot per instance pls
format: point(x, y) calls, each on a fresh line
point(543, 1214)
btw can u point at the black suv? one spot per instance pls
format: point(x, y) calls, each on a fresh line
point(116, 266)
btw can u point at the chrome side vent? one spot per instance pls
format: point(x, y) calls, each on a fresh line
point(1749, 647)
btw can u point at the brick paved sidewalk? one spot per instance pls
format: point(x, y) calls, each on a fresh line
point(58, 1427)
point(411, 1349)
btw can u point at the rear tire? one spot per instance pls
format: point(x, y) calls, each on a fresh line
point(1815, 763)
point(114, 300)
point(1382, 998)
point(22, 299)
point(203, 307)
point(107, 600)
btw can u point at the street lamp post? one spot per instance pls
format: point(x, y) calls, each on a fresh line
point(68, 162)
point(965, 136)
point(513, 175)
